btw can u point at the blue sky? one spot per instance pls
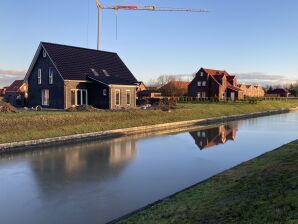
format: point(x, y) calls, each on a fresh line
point(249, 37)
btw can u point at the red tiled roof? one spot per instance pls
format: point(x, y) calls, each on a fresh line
point(214, 72)
point(235, 88)
point(15, 86)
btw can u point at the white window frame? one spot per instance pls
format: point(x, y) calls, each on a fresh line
point(199, 83)
point(204, 83)
point(51, 75)
point(204, 134)
point(43, 101)
point(76, 96)
point(117, 91)
point(104, 92)
point(199, 95)
point(202, 74)
point(128, 91)
point(39, 76)
point(44, 53)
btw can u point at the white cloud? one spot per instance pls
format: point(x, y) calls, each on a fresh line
point(8, 76)
point(263, 79)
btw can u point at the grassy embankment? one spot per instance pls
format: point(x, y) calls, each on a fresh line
point(263, 190)
point(36, 125)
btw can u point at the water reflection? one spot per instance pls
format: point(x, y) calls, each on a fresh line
point(102, 180)
point(209, 138)
point(68, 166)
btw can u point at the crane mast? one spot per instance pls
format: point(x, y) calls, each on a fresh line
point(100, 7)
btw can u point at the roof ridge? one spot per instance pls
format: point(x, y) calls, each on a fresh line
point(84, 48)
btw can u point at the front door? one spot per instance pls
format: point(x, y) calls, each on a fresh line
point(232, 96)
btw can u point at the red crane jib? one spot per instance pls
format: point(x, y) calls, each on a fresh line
point(125, 7)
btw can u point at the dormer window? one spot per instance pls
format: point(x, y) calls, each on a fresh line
point(44, 54)
point(95, 73)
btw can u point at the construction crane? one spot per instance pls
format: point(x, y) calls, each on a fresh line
point(142, 8)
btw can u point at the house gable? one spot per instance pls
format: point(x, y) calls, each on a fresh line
point(56, 89)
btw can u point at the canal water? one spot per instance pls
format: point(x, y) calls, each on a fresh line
point(97, 182)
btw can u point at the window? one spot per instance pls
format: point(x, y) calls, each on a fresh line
point(39, 76)
point(51, 75)
point(203, 134)
point(45, 97)
point(199, 83)
point(104, 92)
point(128, 97)
point(202, 74)
point(117, 97)
point(199, 95)
point(95, 73)
point(203, 94)
point(79, 97)
point(204, 83)
point(44, 53)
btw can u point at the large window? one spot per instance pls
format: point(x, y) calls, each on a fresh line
point(45, 96)
point(51, 75)
point(79, 97)
point(128, 97)
point(39, 76)
point(117, 97)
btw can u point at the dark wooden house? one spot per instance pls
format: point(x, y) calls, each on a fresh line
point(63, 76)
point(210, 83)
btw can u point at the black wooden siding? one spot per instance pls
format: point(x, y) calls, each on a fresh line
point(56, 90)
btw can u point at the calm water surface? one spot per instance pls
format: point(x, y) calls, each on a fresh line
point(97, 182)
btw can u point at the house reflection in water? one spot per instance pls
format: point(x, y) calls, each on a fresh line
point(214, 136)
point(72, 164)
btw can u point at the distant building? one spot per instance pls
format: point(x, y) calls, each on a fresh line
point(210, 83)
point(141, 87)
point(149, 94)
point(2, 91)
point(17, 93)
point(279, 92)
point(252, 90)
point(175, 88)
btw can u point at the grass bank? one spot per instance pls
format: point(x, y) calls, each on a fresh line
point(37, 125)
point(263, 190)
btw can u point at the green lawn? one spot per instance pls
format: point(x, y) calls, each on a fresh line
point(35, 125)
point(263, 190)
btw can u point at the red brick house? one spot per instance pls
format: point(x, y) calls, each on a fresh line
point(17, 93)
point(210, 83)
